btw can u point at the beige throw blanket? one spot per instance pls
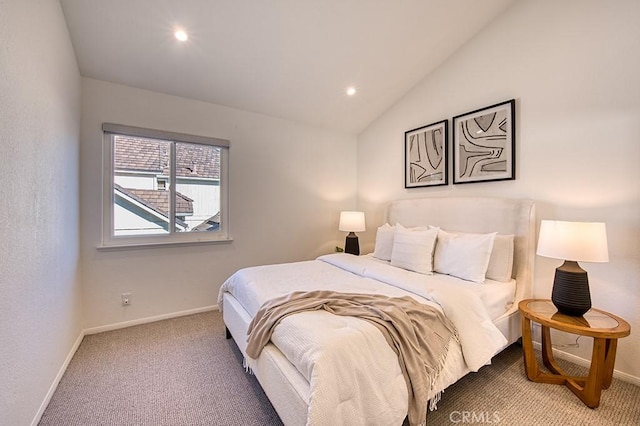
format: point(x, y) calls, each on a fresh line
point(419, 334)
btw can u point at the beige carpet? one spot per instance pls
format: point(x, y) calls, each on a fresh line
point(183, 371)
point(176, 372)
point(502, 393)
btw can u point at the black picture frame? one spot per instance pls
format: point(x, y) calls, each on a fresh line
point(484, 144)
point(426, 155)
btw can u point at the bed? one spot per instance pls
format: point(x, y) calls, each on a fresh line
point(324, 369)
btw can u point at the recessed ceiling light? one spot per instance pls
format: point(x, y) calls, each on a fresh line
point(181, 35)
point(351, 91)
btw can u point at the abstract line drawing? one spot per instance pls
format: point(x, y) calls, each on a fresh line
point(484, 144)
point(425, 153)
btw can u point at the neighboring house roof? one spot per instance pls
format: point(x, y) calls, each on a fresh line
point(211, 224)
point(150, 155)
point(158, 200)
point(145, 155)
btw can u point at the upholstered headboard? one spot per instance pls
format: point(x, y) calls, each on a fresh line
point(481, 215)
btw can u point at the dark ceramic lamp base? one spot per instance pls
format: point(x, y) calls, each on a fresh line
point(351, 244)
point(571, 290)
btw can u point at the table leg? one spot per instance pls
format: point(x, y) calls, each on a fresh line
point(590, 393)
point(530, 362)
point(549, 360)
point(609, 361)
point(547, 351)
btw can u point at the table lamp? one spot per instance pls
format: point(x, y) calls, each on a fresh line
point(572, 242)
point(352, 222)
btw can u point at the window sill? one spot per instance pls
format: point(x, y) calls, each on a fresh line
point(150, 245)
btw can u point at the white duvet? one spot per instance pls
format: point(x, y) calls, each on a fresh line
point(353, 374)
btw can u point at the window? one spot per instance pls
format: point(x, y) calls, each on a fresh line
point(163, 187)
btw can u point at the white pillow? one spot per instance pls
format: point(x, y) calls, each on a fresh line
point(500, 266)
point(413, 249)
point(501, 261)
point(384, 242)
point(465, 256)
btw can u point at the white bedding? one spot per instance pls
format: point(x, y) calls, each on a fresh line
point(497, 297)
point(363, 384)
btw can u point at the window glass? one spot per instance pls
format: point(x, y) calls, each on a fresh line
point(140, 202)
point(197, 195)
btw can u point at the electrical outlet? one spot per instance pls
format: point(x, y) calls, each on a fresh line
point(126, 299)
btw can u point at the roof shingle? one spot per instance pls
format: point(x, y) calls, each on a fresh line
point(158, 200)
point(152, 155)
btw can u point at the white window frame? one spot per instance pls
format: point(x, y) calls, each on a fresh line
point(111, 241)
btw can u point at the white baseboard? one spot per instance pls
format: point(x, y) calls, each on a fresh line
point(587, 363)
point(57, 379)
point(146, 320)
point(100, 329)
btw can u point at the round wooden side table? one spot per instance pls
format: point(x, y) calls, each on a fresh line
point(603, 327)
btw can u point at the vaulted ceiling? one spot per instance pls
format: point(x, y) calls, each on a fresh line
point(292, 59)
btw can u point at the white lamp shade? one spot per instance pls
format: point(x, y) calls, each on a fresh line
point(577, 241)
point(351, 222)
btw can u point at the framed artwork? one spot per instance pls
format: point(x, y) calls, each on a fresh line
point(425, 155)
point(484, 144)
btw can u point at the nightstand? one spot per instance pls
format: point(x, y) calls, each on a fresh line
point(603, 327)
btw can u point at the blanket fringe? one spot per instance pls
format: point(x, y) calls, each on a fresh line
point(245, 364)
point(433, 402)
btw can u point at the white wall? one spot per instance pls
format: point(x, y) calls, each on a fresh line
point(573, 68)
point(288, 183)
point(40, 312)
